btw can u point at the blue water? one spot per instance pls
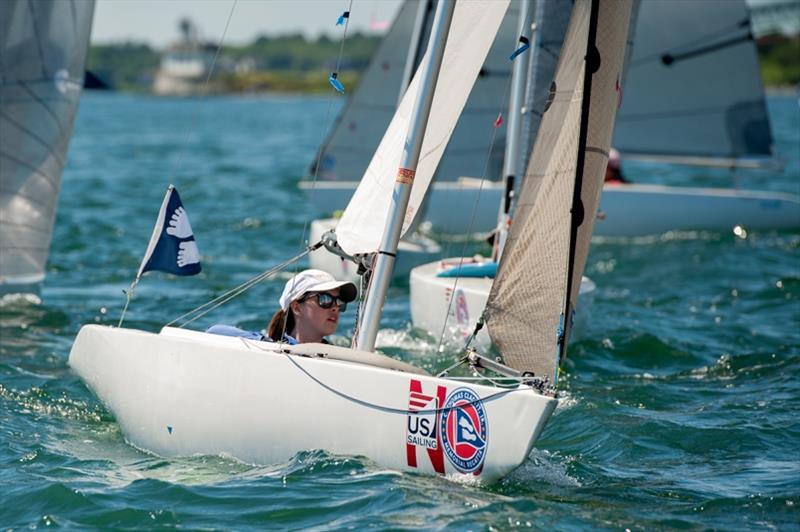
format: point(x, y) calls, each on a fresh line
point(681, 405)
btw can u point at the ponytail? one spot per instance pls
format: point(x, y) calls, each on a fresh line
point(281, 322)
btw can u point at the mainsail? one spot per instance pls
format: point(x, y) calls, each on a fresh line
point(693, 93)
point(533, 297)
point(473, 29)
point(43, 46)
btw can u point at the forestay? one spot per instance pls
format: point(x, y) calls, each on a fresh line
point(693, 93)
point(43, 47)
point(472, 32)
point(540, 271)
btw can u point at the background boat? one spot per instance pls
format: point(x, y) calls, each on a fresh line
point(42, 58)
point(663, 124)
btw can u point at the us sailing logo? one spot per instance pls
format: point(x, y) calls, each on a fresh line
point(422, 427)
point(462, 425)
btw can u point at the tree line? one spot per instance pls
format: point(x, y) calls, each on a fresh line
point(295, 63)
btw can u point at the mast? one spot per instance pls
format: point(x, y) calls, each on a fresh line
point(511, 160)
point(387, 251)
point(415, 46)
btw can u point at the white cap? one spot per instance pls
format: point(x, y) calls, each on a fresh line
point(315, 281)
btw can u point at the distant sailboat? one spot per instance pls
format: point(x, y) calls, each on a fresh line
point(43, 47)
point(346, 152)
point(693, 96)
point(184, 392)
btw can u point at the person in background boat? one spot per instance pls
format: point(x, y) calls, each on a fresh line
point(614, 168)
point(311, 304)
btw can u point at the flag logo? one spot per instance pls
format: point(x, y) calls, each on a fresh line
point(463, 430)
point(172, 247)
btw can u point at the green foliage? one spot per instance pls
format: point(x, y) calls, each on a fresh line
point(780, 60)
point(314, 81)
point(285, 63)
point(124, 66)
point(295, 53)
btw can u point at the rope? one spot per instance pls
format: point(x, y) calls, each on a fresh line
point(388, 409)
point(324, 129)
point(237, 291)
point(205, 87)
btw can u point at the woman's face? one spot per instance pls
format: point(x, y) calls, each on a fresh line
point(315, 319)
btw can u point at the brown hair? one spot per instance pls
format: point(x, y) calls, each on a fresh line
point(281, 322)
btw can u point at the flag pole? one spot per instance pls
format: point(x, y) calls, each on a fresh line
point(129, 293)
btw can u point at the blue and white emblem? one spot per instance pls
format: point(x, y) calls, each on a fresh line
point(464, 430)
point(172, 247)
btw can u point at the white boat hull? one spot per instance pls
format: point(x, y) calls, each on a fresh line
point(182, 393)
point(432, 310)
point(411, 252)
point(625, 210)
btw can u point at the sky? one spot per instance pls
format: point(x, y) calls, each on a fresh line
point(156, 21)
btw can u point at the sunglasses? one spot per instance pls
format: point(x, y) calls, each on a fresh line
point(326, 300)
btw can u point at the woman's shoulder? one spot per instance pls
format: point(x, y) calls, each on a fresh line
point(230, 330)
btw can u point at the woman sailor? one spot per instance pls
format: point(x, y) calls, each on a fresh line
point(310, 306)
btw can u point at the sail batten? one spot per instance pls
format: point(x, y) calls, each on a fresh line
point(695, 96)
point(540, 270)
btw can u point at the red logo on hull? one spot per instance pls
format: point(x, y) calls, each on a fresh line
point(421, 426)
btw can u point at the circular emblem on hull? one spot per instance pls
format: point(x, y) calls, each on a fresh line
point(463, 430)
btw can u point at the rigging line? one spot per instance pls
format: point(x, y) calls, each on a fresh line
point(392, 410)
point(472, 219)
point(185, 142)
point(323, 131)
point(322, 142)
point(235, 292)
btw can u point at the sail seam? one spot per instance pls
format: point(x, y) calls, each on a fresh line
point(33, 136)
point(33, 169)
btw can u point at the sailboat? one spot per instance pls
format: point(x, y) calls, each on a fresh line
point(43, 47)
point(182, 392)
point(693, 95)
